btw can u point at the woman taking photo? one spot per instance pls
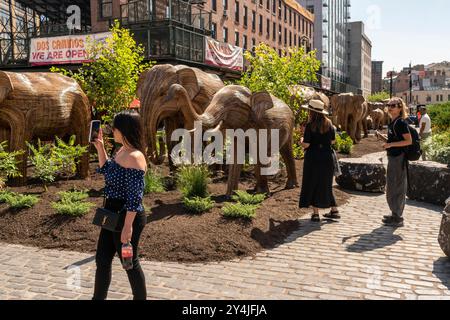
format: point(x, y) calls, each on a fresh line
point(397, 139)
point(124, 189)
point(318, 167)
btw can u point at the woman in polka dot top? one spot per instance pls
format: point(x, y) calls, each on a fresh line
point(124, 190)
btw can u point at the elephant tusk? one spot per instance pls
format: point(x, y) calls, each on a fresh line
point(216, 129)
point(193, 130)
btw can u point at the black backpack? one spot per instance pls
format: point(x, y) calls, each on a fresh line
point(412, 152)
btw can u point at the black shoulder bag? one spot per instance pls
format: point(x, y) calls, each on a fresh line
point(109, 219)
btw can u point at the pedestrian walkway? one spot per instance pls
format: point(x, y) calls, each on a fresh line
point(357, 258)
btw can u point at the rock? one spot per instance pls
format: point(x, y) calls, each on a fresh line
point(367, 174)
point(444, 234)
point(429, 182)
point(447, 206)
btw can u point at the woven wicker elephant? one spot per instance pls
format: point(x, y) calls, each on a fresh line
point(235, 107)
point(377, 117)
point(156, 106)
point(352, 112)
point(42, 105)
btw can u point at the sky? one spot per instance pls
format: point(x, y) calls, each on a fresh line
point(404, 31)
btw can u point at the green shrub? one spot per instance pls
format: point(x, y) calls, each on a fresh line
point(198, 205)
point(68, 155)
point(45, 164)
point(153, 182)
point(193, 181)
point(72, 196)
point(72, 208)
point(344, 144)
point(239, 210)
point(437, 147)
point(20, 201)
point(379, 96)
point(246, 198)
point(440, 116)
point(5, 195)
point(8, 164)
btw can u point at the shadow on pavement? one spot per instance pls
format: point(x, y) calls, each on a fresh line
point(379, 238)
point(441, 269)
point(81, 262)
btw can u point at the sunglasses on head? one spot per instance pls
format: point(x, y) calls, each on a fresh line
point(397, 105)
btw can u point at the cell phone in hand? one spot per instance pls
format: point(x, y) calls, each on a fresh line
point(94, 130)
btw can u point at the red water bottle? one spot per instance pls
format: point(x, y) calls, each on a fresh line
point(127, 256)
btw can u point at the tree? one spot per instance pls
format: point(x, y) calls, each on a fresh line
point(275, 74)
point(110, 78)
point(379, 96)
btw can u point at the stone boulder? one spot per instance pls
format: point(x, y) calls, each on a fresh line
point(367, 174)
point(444, 232)
point(429, 182)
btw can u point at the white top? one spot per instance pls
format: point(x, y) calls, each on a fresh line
point(426, 119)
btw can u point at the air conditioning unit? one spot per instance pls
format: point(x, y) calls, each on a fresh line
point(225, 13)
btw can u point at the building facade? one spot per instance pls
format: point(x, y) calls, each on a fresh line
point(331, 36)
point(425, 97)
point(359, 58)
point(377, 76)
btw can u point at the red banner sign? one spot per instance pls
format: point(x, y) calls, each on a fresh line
point(62, 50)
point(223, 55)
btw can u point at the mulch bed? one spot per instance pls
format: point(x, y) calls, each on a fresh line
point(171, 234)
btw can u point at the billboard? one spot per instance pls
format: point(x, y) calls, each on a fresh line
point(223, 55)
point(62, 50)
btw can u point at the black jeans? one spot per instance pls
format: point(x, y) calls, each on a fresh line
point(108, 245)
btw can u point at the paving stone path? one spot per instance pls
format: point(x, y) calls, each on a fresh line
point(357, 258)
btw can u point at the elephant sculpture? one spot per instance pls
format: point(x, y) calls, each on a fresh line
point(42, 105)
point(156, 107)
point(304, 94)
point(377, 116)
point(351, 111)
point(369, 121)
point(235, 107)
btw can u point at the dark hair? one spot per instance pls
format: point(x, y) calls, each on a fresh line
point(319, 122)
point(129, 124)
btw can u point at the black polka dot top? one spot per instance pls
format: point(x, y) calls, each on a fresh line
point(124, 183)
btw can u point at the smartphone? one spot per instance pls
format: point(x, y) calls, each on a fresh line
point(95, 130)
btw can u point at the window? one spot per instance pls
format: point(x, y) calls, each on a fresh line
point(279, 33)
point(261, 3)
point(106, 8)
point(295, 40)
point(290, 39)
point(244, 42)
point(442, 97)
point(260, 23)
point(225, 34)
point(214, 30)
point(268, 4)
point(236, 11)
point(290, 16)
point(295, 20)
point(236, 39)
point(214, 5)
point(253, 44)
point(285, 13)
point(245, 15)
point(274, 32)
point(285, 36)
point(274, 6)
point(279, 9)
point(449, 97)
point(253, 20)
point(225, 4)
point(310, 8)
point(268, 27)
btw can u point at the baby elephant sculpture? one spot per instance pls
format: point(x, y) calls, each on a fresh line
point(42, 105)
point(235, 107)
point(377, 116)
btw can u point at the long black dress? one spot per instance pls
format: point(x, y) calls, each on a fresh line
point(318, 170)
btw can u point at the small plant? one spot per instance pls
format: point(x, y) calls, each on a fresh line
point(45, 164)
point(198, 205)
point(344, 143)
point(437, 147)
point(246, 198)
point(68, 155)
point(20, 201)
point(72, 196)
point(5, 195)
point(239, 210)
point(8, 164)
point(379, 96)
point(72, 208)
point(193, 181)
point(153, 182)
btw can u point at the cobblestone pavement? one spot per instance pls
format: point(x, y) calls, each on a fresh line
point(357, 258)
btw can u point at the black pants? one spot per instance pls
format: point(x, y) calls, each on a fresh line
point(108, 245)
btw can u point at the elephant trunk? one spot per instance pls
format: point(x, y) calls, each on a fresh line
point(152, 151)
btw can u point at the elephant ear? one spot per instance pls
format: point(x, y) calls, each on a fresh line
point(6, 86)
point(141, 83)
point(188, 79)
point(261, 102)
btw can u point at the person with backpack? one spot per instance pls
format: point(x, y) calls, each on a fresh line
point(398, 145)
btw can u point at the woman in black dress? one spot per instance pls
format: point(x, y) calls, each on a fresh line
point(318, 168)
